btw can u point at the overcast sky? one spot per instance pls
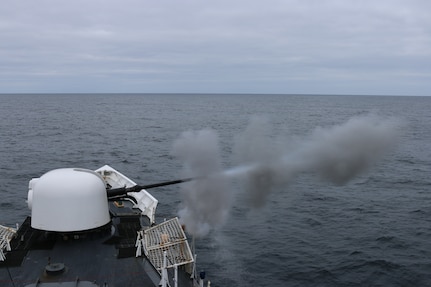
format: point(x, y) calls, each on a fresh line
point(219, 46)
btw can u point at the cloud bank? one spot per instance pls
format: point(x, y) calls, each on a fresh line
point(244, 46)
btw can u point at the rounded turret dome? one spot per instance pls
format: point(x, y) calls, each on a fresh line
point(67, 200)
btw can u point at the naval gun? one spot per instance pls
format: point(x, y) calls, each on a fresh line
point(84, 230)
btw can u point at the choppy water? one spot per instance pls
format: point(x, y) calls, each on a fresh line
point(373, 231)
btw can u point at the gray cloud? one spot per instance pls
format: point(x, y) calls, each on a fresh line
point(266, 161)
point(222, 46)
point(337, 153)
point(206, 201)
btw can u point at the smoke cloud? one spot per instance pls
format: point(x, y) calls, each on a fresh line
point(265, 161)
point(338, 153)
point(206, 200)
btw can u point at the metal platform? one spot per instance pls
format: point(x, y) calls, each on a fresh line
point(167, 237)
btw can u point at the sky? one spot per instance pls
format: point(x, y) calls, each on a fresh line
point(222, 46)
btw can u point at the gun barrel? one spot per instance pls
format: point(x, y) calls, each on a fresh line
point(113, 192)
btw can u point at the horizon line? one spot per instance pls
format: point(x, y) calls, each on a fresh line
point(205, 93)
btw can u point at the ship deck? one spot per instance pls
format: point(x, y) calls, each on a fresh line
point(104, 257)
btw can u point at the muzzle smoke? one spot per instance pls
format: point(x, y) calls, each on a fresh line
point(265, 161)
point(206, 200)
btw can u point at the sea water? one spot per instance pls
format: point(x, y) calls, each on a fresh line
point(374, 230)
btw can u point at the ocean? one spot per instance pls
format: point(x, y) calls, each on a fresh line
point(371, 228)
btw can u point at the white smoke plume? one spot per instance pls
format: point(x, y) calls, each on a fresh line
point(265, 161)
point(206, 200)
